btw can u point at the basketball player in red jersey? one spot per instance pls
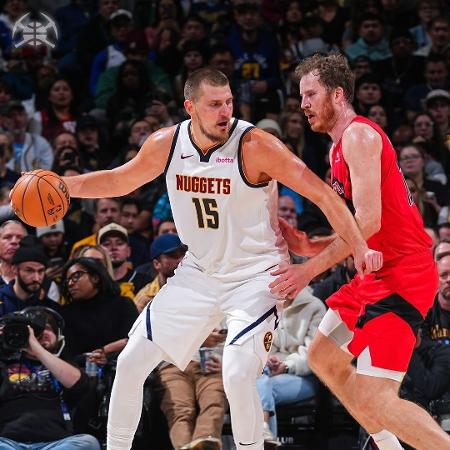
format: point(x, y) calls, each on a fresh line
point(374, 319)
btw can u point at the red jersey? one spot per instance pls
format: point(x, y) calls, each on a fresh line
point(401, 231)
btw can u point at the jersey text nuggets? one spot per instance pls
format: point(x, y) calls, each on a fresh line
point(203, 185)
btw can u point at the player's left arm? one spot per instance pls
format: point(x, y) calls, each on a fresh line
point(265, 157)
point(277, 162)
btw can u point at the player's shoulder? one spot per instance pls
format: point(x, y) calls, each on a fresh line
point(162, 138)
point(361, 133)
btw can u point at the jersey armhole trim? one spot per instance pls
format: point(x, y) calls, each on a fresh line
point(172, 148)
point(241, 165)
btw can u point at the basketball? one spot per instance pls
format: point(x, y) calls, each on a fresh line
point(40, 198)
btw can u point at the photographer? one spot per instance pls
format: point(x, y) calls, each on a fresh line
point(26, 289)
point(38, 389)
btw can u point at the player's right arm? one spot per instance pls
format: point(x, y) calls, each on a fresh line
point(148, 164)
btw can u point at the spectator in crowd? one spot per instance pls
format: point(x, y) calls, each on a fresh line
point(287, 377)
point(334, 19)
point(193, 57)
point(435, 76)
point(412, 162)
point(371, 40)
point(39, 390)
point(31, 151)
point(287, 210)
point(444, 231)
point(99, 253)
point(193, 400)
point(66, 156)
point(26, 288)
point(166, 253)
point(59, 114)
point(439, 31)
point(55, 247)
point(97, 318)
point(367, 93)
point(71, 20)
point(136, 49)
point(11, 233)
point(120, 24)
point(93, 37)
point(425, 202)
point(426, 10)
point(441, 249)
point(378, 114)
point(129, 99)
point(107, 210)
point(139, 131)
point(92, 152)
point(427, 377)
point(256, 53)
point(438, 105)
point(7, 176)
point(114, 239)
point(401, 71)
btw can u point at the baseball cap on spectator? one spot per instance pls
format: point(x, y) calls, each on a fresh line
point(270, 126)
point(15, 105)
point(30, 250)
point(86, 121)
point(57, 227)
point(112, 229)
point(120, 15)
point(437, 94)
point(167, 243)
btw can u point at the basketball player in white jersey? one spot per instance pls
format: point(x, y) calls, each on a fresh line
point(220, 176)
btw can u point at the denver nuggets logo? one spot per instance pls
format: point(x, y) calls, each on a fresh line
point(268, 340)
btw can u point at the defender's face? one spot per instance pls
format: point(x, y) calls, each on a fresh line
point(212, 111)
point(316, 103)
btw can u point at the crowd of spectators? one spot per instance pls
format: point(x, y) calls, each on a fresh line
point(115, 76)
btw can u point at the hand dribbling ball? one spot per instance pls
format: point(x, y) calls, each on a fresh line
point(40, 198)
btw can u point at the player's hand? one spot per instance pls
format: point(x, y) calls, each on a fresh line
point(298, 241)
point(367, 260)
point(291, 280)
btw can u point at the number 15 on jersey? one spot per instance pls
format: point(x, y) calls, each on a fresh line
point(207, 213)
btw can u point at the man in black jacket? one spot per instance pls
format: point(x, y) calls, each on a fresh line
point(29, 263)
point(427, 377)
point(38, 389)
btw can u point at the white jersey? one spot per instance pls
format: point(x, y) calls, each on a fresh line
point(230, 225)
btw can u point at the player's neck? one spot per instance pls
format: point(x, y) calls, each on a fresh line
point(344, 118)
point(201, 141)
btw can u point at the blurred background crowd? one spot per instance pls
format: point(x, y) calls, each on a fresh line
point(114, 76)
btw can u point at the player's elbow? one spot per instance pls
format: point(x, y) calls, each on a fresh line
point(369, 226)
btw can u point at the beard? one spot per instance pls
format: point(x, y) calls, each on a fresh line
point(212, 137)
point(327, 117)
point(29, 288)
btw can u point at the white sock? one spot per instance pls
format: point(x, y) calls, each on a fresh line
point(385, 440)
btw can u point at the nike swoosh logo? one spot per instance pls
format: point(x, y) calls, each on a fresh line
point(185, 156)
point(251, 443)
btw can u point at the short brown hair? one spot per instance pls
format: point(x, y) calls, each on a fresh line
point(206, 75)
point(333, 71)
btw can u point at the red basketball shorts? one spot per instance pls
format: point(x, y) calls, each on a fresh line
point(386, 308)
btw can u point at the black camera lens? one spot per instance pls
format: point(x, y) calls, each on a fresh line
point(15, 335)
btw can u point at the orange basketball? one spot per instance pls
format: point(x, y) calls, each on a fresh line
point(40, 198)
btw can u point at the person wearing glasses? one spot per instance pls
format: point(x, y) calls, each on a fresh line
point(97, 317)
point(411, 160)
